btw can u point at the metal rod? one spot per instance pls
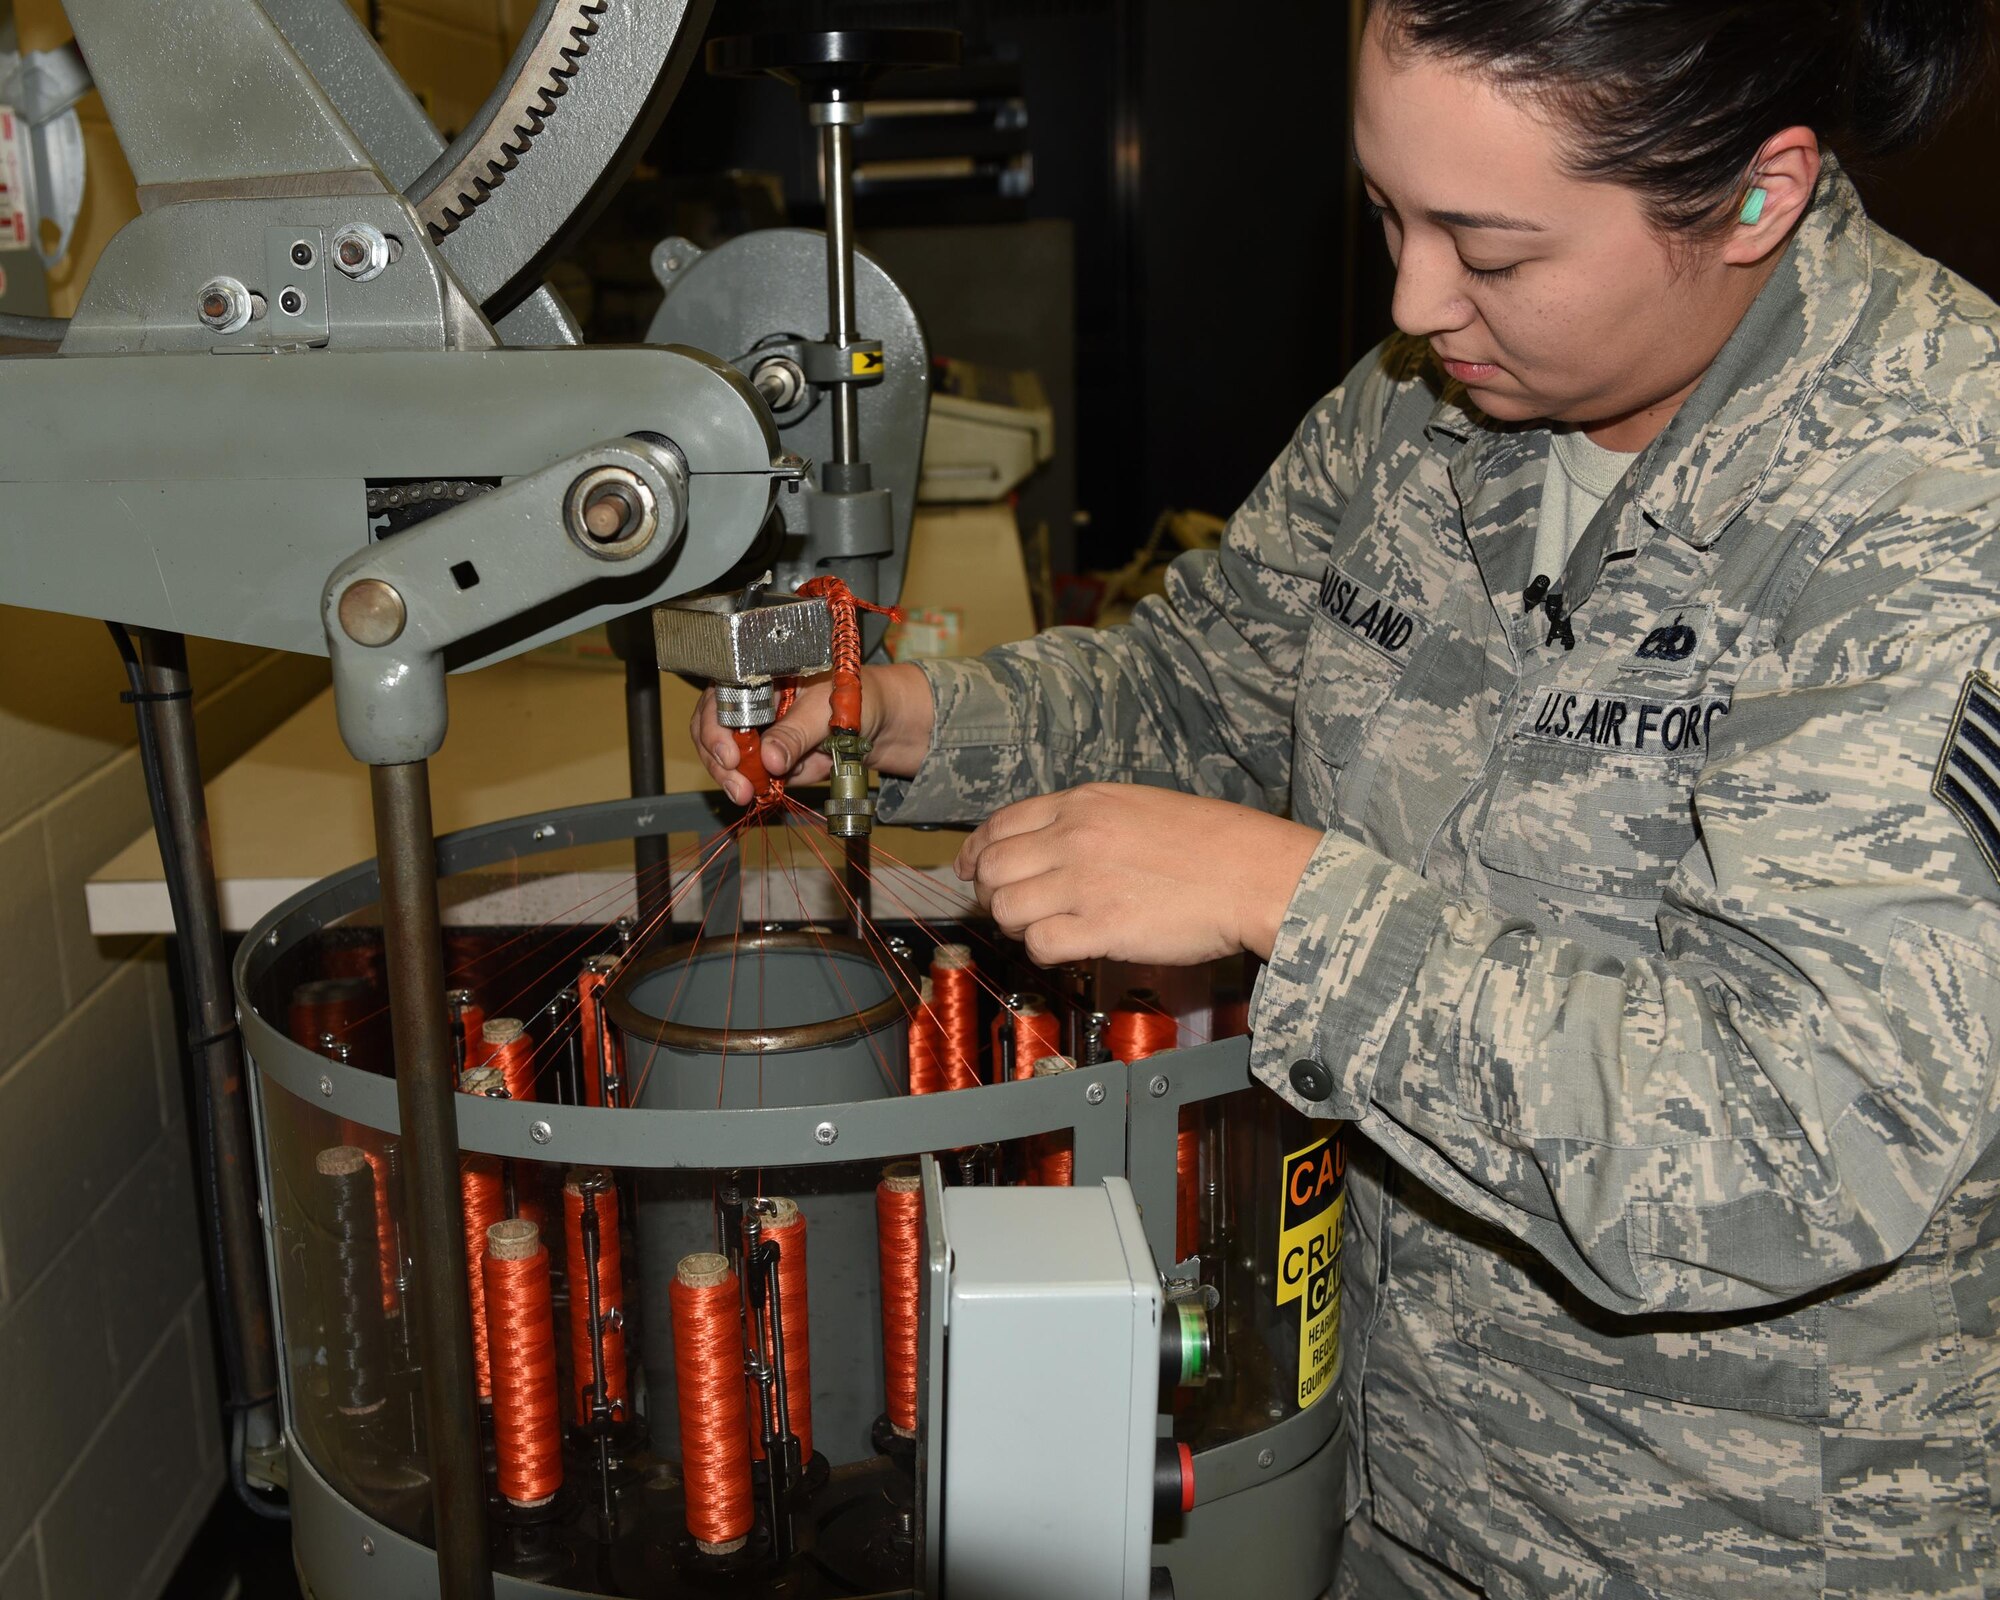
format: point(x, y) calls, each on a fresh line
point(213, 1042)
point(836, 141)
point(646, 748)
point(860, 883)
point(426, 1096)
point(600, 1389)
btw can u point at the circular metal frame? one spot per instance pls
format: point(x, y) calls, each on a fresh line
point(773, 1041)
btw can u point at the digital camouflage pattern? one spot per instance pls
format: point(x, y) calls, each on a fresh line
point(1663, 987)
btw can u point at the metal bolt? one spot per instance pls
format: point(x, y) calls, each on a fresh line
point(326, 1087)
point(1157, 1087)
point(825, 1133)
point(611, 512)
point(541, 1133)
point(1265, 1458)
point(673, 263)
point(360, 252)
point(372, 613)
point(780, 381)
point(272, 939)
point(224, 305)
point(1095, 1094)
point(291, 302)
point(367, 1545)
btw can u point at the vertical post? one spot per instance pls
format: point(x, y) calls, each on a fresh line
point(426, 1100)
point(229, 1178)
point(836, 119)
point(647, 751)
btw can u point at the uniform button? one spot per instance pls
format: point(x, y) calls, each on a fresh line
point(1312, 1080)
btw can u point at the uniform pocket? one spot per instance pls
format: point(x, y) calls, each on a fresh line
point(1590, 821)
point(1343, 685)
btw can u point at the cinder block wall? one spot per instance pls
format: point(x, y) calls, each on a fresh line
point(110, 1448)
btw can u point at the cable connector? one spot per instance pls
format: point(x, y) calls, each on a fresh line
point(850, 807)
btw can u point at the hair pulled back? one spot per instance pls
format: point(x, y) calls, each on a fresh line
point(1674, 98)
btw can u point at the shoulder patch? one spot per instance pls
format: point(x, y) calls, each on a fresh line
point(1968, 769)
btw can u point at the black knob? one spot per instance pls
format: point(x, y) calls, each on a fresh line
point(836, 64)
point(1311, 1080)
point(1173, 1482)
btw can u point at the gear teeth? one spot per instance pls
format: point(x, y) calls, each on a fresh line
point(516, 125)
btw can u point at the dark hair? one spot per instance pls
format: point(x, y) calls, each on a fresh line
point(1675, 97)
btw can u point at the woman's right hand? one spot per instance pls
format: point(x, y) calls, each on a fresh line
point(895, 716)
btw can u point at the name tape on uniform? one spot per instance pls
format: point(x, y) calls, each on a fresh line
point(1357, 609)
point(1635, 724)
point(1311, 1209)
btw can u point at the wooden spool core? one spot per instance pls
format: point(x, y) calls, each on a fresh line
point(340, 1160)
point(952, 956)
point(703, 1270)
point(778, 1212)
point(1049, 1066)
point(502, 1030)
point(902, 1177)
point(488, 1081)
point(513, 1240)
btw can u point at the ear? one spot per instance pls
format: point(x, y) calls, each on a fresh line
point(1787, 170)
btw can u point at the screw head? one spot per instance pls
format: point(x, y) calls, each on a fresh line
point(541, 1133)
point(367, 1545)
point(825, 1133)
point(1095, 1094)
point(291, 302)
point(372, 613)
point(1157, 1087)
point(326, 1087)
point(1265, 1458)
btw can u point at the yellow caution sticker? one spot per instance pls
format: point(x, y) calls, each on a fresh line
point(1313, 1205)
point(866, 363)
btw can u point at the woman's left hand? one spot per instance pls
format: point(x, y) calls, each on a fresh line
point(1136, 874)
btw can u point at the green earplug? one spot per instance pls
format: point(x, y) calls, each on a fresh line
point(1753, 207)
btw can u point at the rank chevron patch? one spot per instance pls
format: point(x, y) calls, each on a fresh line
point(1968, 769)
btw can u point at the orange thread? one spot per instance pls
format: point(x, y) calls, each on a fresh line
point(785, 1226)
point(899, 1231)
point(1052, 1159)
point(527, 1439)
point(504, 1043)
point(383, 1164)
point(603, 1049)
point(610, 1292)
point(926, 1043)
point(708, 1370)
point(484, 1198)
point(328, 1005)
point(468, 1017)
point(1139, 1029)
point(955, 999)
point(1037, 1034)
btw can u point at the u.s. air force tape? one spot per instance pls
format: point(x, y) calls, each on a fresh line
point(1968, 769)
point(1634, 724)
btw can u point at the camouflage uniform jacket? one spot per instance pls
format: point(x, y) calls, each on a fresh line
point(1661, 973)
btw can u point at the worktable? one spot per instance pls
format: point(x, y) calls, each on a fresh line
point(529, 736)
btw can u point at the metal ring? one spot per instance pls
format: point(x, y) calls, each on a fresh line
point(640, 505)
point(798, 1036)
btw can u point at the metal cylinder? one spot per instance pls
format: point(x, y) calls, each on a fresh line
point(426, 1089)
point(836, 142)
point(797, 995)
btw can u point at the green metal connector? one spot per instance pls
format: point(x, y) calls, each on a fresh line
point(850, 807)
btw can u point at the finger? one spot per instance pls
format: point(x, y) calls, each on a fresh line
point(1063, 939)
point(1013, 860)
point(1018, 906)
point(793, 738)
point(1023, 816)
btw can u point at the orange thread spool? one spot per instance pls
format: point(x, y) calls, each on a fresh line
point(484, 1198)
point(328, 1005)
point(382, 1164)
point(1037, 1036)
point(603, 1049)
point(1054, 1158)
point(955, 999)
point(586, 1186)
point(926, 1043)
point(708, 1370)
point(1138, 1030)
point(504, 1043)
point(784, 1225)
point(899, 1233)
point(527, 1437)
